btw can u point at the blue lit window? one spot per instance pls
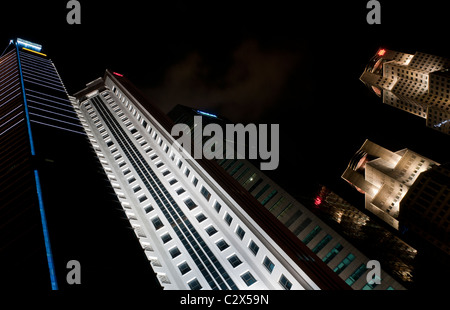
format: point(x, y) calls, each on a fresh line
point(195, 285)
point(240, 232)
point(157, 223)
point(356, 274)
point(174, 252)
point(234, 261)
point(268, 264)
point(148, 209)
point(217, 207)
point(205, 193)
point(345, 262)
point(312, 234)
point(201, 217)
point(166, 238)
point(332, 253)
point(210, 230)
point(228, 219)
point(184, 268)
point(248, 278)
point(222, 245)
point(190, 204)
point(253, 247)
point(322, 243)
point(285, 283)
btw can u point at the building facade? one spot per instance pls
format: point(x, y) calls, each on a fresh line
point(52, 191)
point(196, 227)
point(384, 177)
point(416, 83)
point(340, 255)
point(426, 208)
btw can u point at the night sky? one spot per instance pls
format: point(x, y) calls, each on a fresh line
point(297, 65)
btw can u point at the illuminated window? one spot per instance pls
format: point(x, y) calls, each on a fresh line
point(312, 234)
point(345, 262)
point(334, 251)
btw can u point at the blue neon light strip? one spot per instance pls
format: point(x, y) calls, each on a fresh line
point(51, 266)
point(206, 114)
point(48, 249)
point(27, 116)
point(29, 45)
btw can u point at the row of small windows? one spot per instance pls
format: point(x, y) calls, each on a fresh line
point(253, 247)
point(221, 244)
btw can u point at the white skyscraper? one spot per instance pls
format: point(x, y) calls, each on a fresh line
point(418, 84)
point(196, 229)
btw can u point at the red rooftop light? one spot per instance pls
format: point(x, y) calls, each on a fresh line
point(381, 52)
point(318, 201)
point(118, 74)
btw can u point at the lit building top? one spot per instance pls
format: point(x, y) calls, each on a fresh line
point(418, 84)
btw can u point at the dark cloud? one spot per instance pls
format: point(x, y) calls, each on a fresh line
point(250, 84)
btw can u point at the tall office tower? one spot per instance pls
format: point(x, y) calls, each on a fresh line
point(425, 209)
point(396, 256)
point(340, 255)
point(51, 195)
point(418, 84)
point(198, 229)
point(385, 177)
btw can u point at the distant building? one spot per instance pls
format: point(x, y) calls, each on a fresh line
point(425, 209)
point(368, 234)
point(384, 177)
point(338, 252)
point(418, 84)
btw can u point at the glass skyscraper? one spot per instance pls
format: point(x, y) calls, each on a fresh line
point(52, 192)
